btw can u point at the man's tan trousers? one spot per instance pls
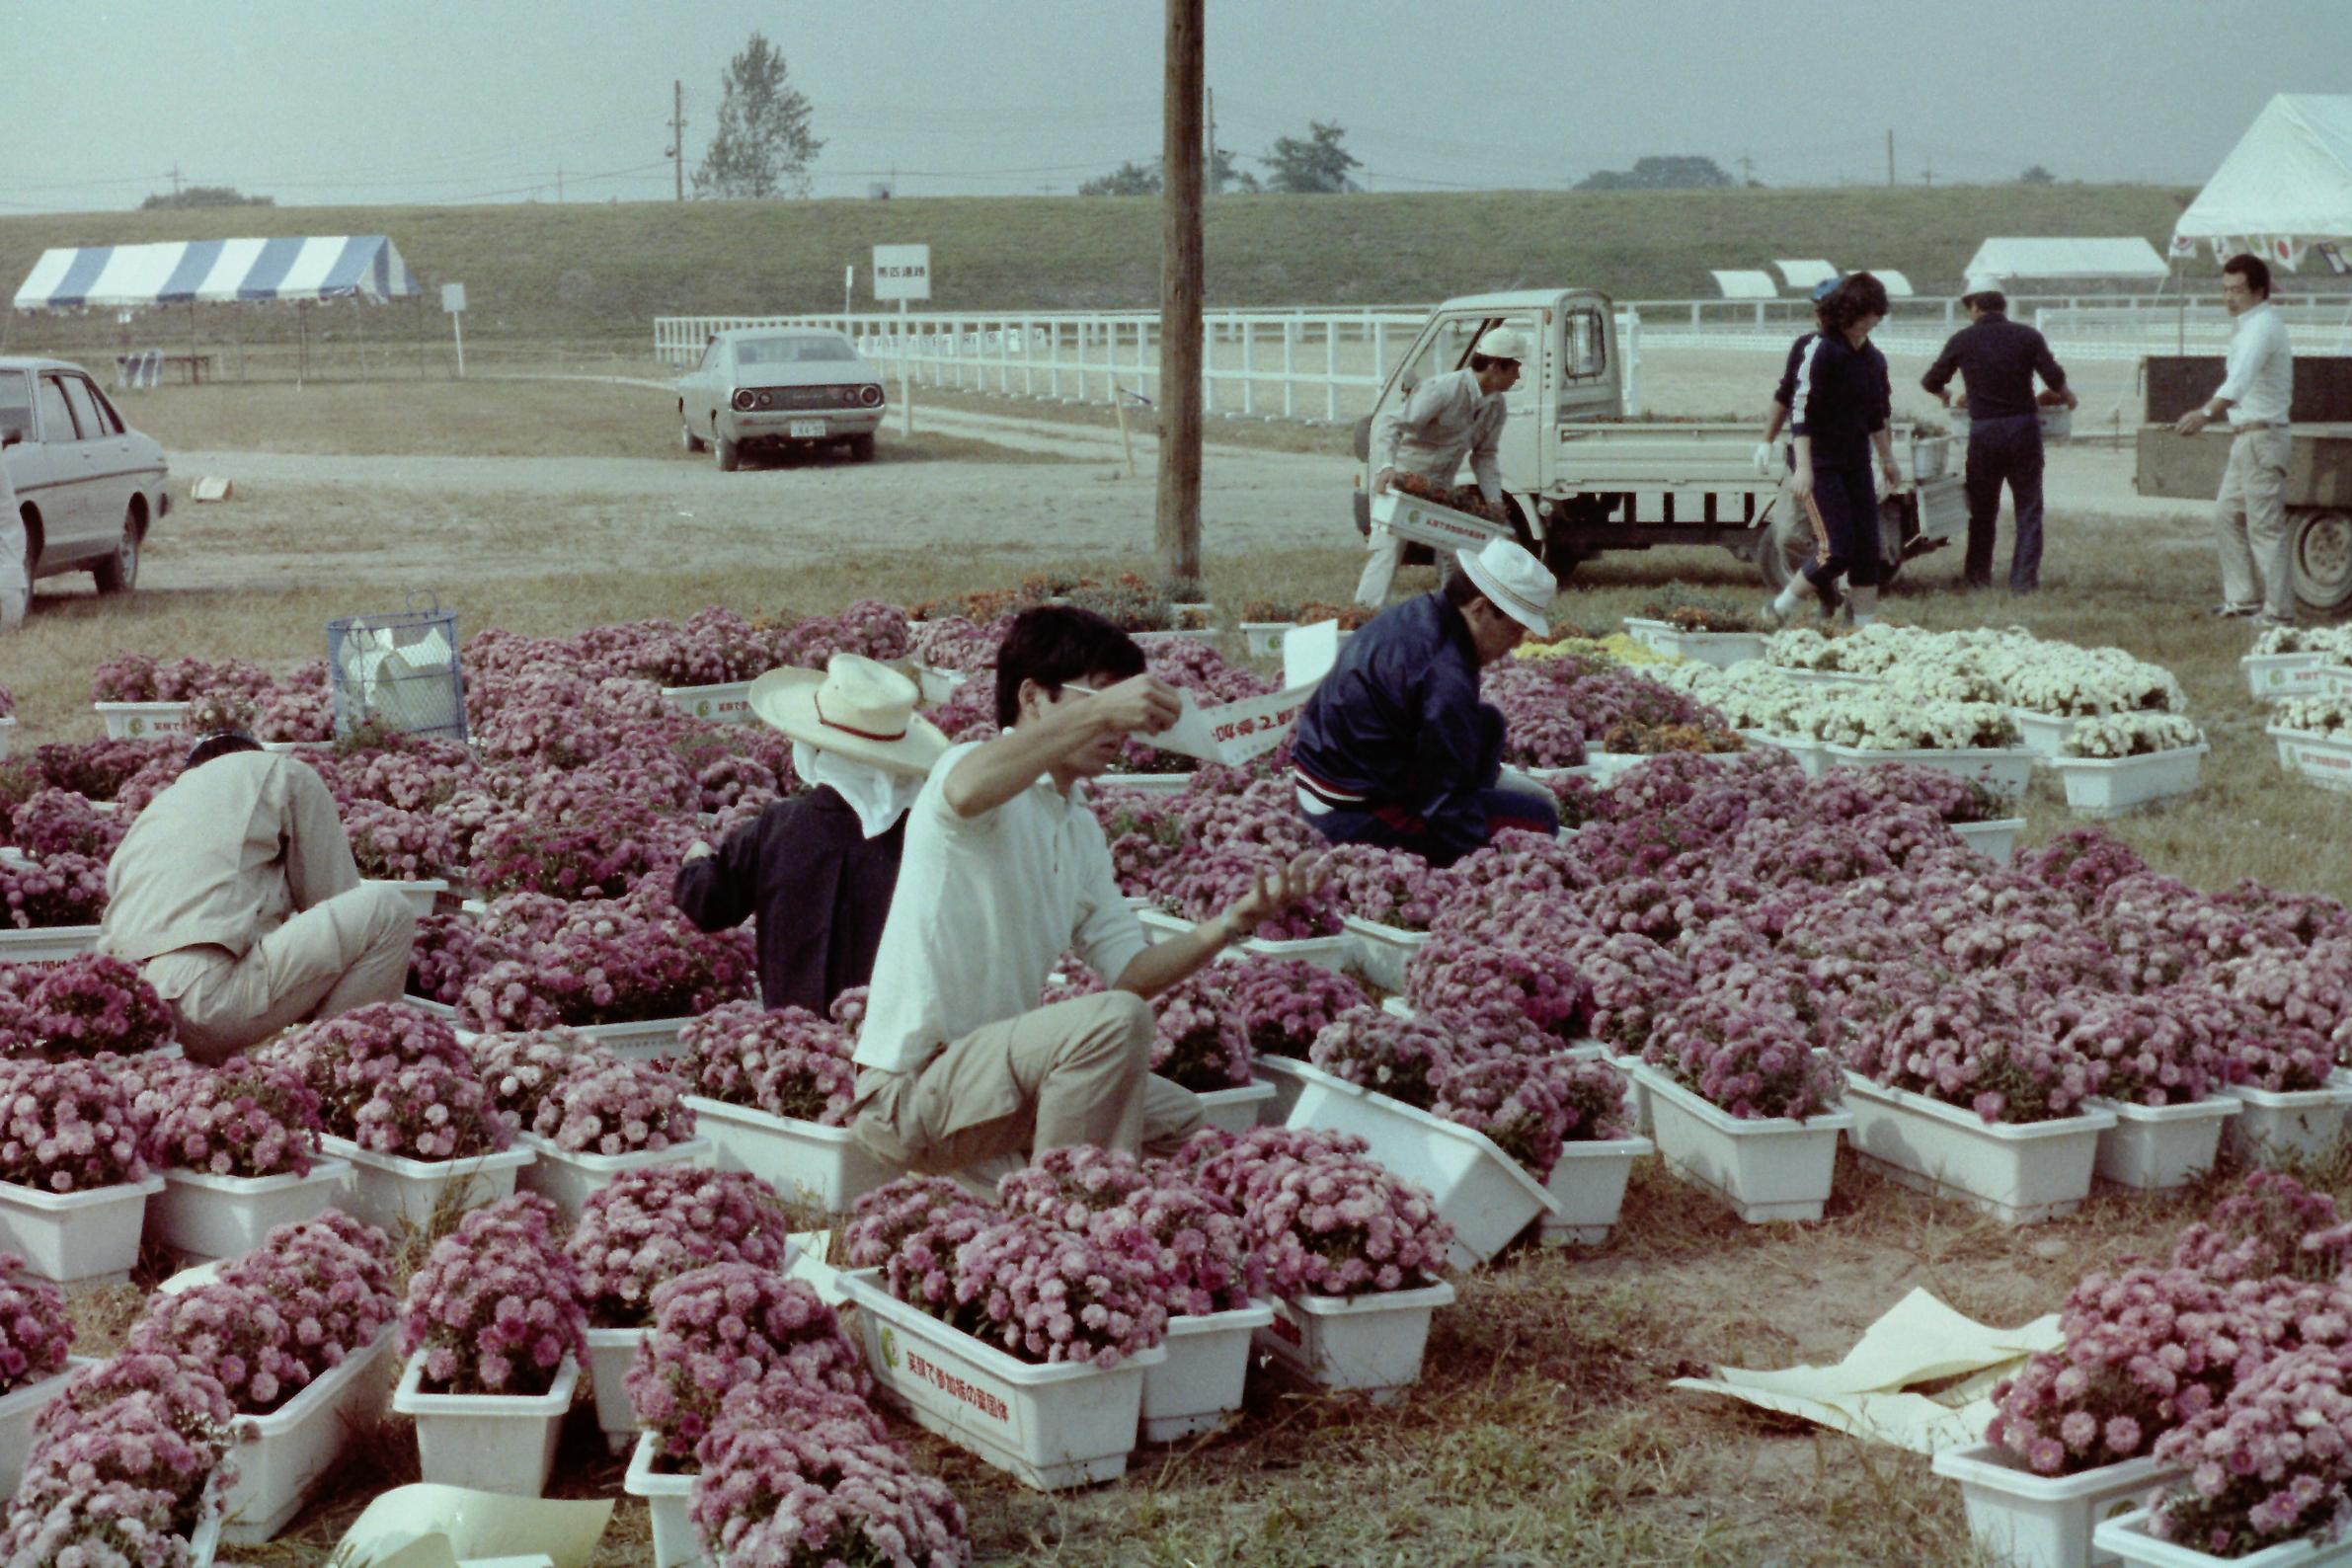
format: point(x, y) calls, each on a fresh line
point(344, 953)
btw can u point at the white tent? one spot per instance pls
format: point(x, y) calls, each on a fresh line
point(1897, 284)
point(217, 272)
point(2067, 259)
point(2286, 184)
point(1802, 274)
point(1745, 285)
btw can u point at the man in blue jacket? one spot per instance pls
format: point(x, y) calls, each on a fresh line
point(1394, 747)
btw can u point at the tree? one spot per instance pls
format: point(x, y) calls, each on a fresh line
point(1128, 178)
point(762, 146)
point(205, 195)
point(2037, 174)
point(1659, 174)
point(1224, 174)
point(1318, 166)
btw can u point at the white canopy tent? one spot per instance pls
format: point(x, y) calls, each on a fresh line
point(1745, 285)
point(2284, 186)
point(1897, 284)
point(1802, 274)
point(2068, 260)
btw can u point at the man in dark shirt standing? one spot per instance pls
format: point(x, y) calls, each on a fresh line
point(1998, 358)
point(818, 869)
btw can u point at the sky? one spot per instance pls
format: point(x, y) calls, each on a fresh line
point(322, 101)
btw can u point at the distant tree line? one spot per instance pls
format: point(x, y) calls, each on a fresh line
point(204, 196)
point(1315, 164)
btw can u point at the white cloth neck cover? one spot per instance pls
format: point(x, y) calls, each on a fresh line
point(878, 796)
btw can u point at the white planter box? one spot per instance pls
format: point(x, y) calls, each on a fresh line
point(422, 894)
point(1334, 953)
point(1427, 523)
point(1384, 951)
point(667, 1499)
point(2040, 1170)
point(2336, 679)
point(569, 1180)
point(1483, 1192)
point(2111, 786)
point(937, 684)
point(1198, 1388)
point(1719, 649)
point(1068, 1424)
point(644, 1039)
point(806, 1162)
point(1994, 839)
point(200, 1215)
point(2034, 1521)
point(2045, 732)
point(1151, 640)
point(1589, 1185)
point(492, 1442)
point(1767, 1168)
point(2126, 1537)
point(1812, 759)
point(2151, 1147)
point(76, 1237)
point(446, 1012)
point(1160, 924)
point(47, 944)
point(1152, 783)
point(1264, 638)
point(728, 702)
point(2324, 760)
point(281, 1456)
point(610, 1351)
point(1369, 1343)
point(2304, 1123)
point(17, 1409)
point(389, 1191)
point(1605, 768)
point(2006, 770)
point(2270, 676)
point(1832, 679)
point(1237, 1110)
point(143, 720)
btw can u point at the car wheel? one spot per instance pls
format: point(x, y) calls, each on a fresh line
point(685, 433)
point(861, 448)
point(120, 572)
point(729, 454)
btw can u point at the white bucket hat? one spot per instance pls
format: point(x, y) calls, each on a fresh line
point(855, 708)
point(1502, 343)
point(1513, 581)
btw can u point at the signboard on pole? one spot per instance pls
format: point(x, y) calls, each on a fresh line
point(901, 271)
point(453, 302)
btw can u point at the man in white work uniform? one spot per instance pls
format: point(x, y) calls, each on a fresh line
point(1445, 419)
point(2249, 515)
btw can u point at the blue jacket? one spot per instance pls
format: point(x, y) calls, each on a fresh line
point(1398, 722)
point(1841, 398)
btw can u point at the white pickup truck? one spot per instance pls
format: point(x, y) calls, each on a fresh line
point(1586, 478)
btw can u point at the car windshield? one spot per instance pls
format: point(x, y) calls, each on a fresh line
point(15, 407)
point(793, 350)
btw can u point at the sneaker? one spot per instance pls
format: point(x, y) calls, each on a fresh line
point(2235, 611)
point(2267, 621)
point(1771, 614)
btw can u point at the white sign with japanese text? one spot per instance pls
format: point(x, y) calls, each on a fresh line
point(901, 271)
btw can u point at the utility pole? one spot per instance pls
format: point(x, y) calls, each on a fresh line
point(1747, 169)
point(1927, 175)
point(1890, 159)
point(677, 134)
point(1179, 523)
point(559, 185)
point(1216, 184)
point(175, 178)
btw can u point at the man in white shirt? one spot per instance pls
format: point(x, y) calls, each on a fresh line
point(1005, 869)
point(2249, 517)
point(1445, 419)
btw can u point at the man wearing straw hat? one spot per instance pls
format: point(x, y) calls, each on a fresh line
point(1394, 747)
point(236, 893)
point(817, 869)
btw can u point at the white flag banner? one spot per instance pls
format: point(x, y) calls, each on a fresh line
point(1233, 733)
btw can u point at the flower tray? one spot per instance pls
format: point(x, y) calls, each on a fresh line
point(1237, 1110)
point(200, 1215)
point(2112, 786)
point(1807, 753)
point(1428, 522)
point(389, 1191)
point(1151, 783)
point(1589, 1185)
point(1383, 951)
point(298, 746)
point(1719, 649)
point(2270, 676)
point(937, 684)
point(2006, 770)
point(610, 1351)
point(804, 1160)
point(2040, 1170)
point(666, 1498)
point(2151, 1147)
point(2045, 1520)
point(1068, 1424)
point(1767, 1168)
point(47, 944)
point(641, 1040)
point(1262, 638)
point(728, 702)
point(422, 894)
point(281, 1456)
point(17, 1409)
point(1369, 1343)
point(492, 1442)
point(2045, 734)
point(445, 1011)
point(142, 720)
point(2127, 1541)
point(1485, 1194)
point(1996, 840)
point(2324, 760)
point(2336, 680)
point(569, 1180)
point(1162, 639)
point(2304, 1123)
point(1198, 1388)
point(1336, 953)
point(1604, 767)
point(76, 1238)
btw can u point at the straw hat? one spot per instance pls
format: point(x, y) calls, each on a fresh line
point(857, 709)
point(1513, 581)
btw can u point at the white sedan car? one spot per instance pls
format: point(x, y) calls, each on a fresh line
point(88, 487)
point(779, 387)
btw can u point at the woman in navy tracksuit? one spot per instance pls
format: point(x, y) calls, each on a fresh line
point(1838, 413)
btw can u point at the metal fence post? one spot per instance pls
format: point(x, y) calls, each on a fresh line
point(1249, 366)
point(1289, 353)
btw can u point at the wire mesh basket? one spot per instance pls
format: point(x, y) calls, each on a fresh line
point(400, 670)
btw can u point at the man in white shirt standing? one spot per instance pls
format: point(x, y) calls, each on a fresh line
point(1005, 870)
point(2249, 517)
point(1445, 419)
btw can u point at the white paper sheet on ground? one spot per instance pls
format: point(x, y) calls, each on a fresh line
point(1921, 1340)
point(189, 1279)
point(1309, 652)
point(1233, 731)
point(469, 1526)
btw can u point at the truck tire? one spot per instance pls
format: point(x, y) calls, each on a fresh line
point(2322, 557)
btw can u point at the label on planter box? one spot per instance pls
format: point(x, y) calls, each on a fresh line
point(921, 1369)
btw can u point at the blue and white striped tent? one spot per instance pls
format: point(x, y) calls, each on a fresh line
point(217, 272)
